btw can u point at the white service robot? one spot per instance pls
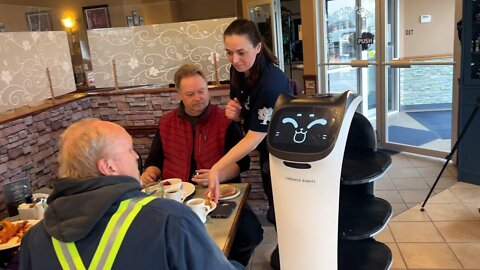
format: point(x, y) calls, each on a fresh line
point(306, 141)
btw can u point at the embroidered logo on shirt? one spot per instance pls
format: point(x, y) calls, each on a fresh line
point(247, 103)
point(265, 115)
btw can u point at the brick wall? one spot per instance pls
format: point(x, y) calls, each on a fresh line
point(422, 85)
point(29, 144)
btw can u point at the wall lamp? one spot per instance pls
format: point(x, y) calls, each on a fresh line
point(68, 23)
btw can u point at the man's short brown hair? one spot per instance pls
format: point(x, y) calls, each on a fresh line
point(187, 70)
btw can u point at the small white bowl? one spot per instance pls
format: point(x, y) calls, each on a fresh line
point(171, 183)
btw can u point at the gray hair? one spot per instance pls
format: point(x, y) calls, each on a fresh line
point(187, 70)
point(81, 146)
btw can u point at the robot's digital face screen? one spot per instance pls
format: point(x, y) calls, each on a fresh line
point(303, 130)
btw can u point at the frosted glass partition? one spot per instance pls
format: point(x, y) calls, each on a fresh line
point(24, 57)
point(151, 54)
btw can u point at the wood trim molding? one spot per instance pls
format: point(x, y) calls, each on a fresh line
point(141, 130)
point(45, 105)
point(49, 104)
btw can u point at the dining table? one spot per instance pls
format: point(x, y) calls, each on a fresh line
point(223, 230)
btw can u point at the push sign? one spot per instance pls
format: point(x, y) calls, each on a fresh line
point(365, 40)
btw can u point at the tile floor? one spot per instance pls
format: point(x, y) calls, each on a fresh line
point(402, 119)
point(445, 236)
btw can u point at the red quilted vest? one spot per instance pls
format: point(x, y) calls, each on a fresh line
point(177, 141)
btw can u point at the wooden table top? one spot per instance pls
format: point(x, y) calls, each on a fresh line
point(223, 230)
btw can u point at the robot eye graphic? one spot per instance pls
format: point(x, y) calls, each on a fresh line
point(301, 134)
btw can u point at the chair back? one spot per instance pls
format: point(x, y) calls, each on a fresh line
point(295, 87)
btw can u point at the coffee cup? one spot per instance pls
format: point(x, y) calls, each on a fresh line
point(198, 206)
point(173, 194)
point(171, 183)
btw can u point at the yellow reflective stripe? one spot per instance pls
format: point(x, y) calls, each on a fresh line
point(60, 255)
point(123, 231)
point(104, 240)
point(67, 254)
point(77, 260)
point(110, 242)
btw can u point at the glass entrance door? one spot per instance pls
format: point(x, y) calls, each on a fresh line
point(397, 54)
point(417, 67)
point(267, 15)
point(349, 47)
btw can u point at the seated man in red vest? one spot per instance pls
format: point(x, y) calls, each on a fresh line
point(190, 140)
point(97, 217)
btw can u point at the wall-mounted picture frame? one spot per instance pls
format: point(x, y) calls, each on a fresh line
point(141, 21)
point(39, 21)
point(136, 18)
point(129, 21)
point(96, 17)
point(310, 84)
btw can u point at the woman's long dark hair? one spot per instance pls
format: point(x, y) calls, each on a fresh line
point(248, 28)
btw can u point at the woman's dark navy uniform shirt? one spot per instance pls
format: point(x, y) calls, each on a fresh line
point(258, 100)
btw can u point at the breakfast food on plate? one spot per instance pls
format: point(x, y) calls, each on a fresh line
point(172, 183)
point(13, 231)
point(208, 202)
point(227, 190)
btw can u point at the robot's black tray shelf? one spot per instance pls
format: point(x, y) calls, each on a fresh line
point(361, 218)
point(361, 167)
point(363, 255)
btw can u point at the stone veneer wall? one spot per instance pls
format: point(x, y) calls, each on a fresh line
point(416, 90)
point(29, 145)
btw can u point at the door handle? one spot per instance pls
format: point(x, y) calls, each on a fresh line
point(408, 63)
point(399, 63)
point(359, 63)
point(353, 63)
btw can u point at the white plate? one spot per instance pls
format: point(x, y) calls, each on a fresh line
point(39, 195)
point(237, 192)
point(154, 189)
point(187, 189)
point(212, 207)
point(13, 242)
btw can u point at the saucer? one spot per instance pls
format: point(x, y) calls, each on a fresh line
point(212, 207)
point(187, 189)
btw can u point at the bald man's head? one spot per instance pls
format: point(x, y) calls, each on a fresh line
point(92, 147)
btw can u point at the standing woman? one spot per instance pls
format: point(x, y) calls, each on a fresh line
point(255, 83)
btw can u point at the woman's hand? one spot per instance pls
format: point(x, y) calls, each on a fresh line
point(213, 190)
point(233, 110)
